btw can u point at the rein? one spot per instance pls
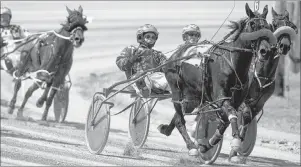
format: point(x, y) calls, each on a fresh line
point(41, 35)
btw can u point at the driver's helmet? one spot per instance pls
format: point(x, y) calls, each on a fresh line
point(145, 29)
point(191, 28)
point(6, 10)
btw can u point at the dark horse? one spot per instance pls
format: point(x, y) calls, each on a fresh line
point(262, 76)
point(53, 53)
point(226, 79)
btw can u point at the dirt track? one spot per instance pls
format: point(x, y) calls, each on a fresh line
point(36, 143)
point(32, 143)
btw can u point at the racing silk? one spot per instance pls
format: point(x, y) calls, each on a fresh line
point(10, 33)
point(149, 59)
point(13, 32)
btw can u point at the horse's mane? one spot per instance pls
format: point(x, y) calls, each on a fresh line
point(237, 27)
point(75, 19)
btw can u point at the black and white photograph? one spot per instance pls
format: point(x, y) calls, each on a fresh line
point(150, 83)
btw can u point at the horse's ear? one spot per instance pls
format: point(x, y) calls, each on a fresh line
point(265, 11)
point(68, 10)
point(80, 9)
point(287, 14)
point(249, 11)
point(274, 13)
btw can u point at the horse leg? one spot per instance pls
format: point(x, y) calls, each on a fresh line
point(218, 135)
point(247, 116)
point(173, 80)
point(167, 129)
point(28, 94)
point(180, 124)
point(43, 98)
point(48, 104)
point(12, 103)
point(232, 117)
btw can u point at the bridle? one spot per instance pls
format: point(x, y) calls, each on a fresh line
point(276, 55)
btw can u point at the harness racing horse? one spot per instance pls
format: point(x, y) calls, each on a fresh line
point(262, 76)
point(55, 57)
point(226, 74)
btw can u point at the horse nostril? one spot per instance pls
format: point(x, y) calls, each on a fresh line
point(286, 49)
point(77, 39)
point(263, 52)
point(281, 46)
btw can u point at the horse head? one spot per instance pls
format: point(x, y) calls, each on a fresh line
point(256, 32)
point(284, 30)
point(76, 25)
point(266, 64)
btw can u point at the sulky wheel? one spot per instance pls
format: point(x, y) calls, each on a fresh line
point(205, 129)
point(97, 133)
point(250, 136)
point(139, 127)
point(61, 103)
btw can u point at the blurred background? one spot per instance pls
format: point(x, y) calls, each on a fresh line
point(115, 23)
point(114, 27)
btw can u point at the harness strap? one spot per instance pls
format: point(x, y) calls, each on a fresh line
point(258, 78)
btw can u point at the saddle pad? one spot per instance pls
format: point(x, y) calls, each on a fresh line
point(197, 49)
point(196, 61)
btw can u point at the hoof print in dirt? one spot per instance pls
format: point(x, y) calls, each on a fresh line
point(238, 160)
point(131, 151)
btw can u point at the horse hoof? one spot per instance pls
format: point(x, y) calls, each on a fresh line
point(232, 154)
point(162, 129)
point(235, 144)
point(20, 114)
point(10, 110)
point(39, 104)
point(203, 148)
point(193, 152)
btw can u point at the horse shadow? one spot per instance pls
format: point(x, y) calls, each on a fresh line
point(12, 134)
point(79, 126)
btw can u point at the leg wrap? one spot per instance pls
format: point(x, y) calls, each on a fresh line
point(215, 138)
point(242, 131)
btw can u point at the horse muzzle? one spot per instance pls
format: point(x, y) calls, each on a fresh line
point(77, 42)
point(284, 49)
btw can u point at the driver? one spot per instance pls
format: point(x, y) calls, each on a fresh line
point(9, 33)
point(134, 60)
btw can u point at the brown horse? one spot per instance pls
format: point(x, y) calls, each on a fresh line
point(54, 54)
point(262, 76)
point(226, 79)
